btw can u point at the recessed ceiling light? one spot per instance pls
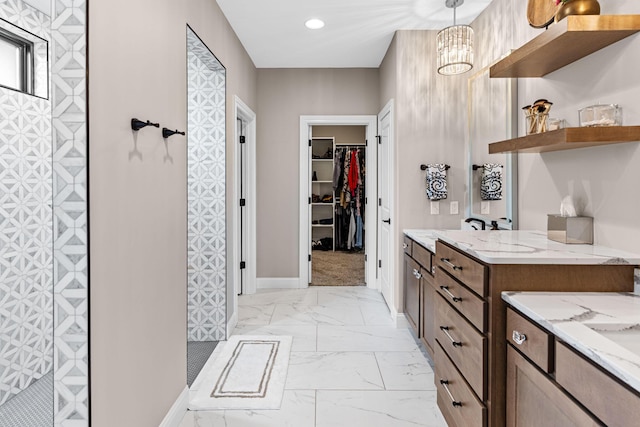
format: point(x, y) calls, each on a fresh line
point(314, 24)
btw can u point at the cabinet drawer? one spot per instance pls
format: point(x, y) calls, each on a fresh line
point(465, 301)
point(607, 399)
point(534, 400)
point(467, 270)
point(532, 341)
point(423, 257)
point(407, 245)
point(467, 411)
point(465, 346)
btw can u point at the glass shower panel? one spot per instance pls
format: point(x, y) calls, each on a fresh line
point(207, 246)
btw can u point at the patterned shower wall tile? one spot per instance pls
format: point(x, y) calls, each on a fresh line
point(71, 355)
point(24, 16)
point(26, 239)
point(206, 194)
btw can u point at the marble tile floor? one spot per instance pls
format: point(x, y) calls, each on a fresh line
point(349, 364)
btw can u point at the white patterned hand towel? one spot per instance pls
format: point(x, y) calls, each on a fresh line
point(491, 185)
point(437, 181)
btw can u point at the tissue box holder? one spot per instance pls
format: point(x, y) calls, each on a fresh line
point(574, 230)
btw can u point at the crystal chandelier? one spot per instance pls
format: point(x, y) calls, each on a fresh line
point(455, 46)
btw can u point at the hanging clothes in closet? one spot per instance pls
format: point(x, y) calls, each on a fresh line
point(349, 186)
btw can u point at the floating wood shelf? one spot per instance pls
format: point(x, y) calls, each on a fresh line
point(567, 139)
point(565, 42)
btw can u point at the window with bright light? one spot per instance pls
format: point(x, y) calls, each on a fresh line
point(16, 62)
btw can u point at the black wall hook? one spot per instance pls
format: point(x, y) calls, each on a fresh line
point(424, 167)
point(166, 133)
point(476, 167)
point(139, 124)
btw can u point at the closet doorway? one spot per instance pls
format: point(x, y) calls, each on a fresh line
point(338, 217)
point(369, 232)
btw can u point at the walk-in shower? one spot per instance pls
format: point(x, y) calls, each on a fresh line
point(43, 215)
point(206, 181)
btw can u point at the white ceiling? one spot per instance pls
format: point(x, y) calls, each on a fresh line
point(357, 32)
point(43, 5)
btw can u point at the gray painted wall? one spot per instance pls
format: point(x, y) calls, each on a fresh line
point(138, 208)
point(431, 117)
point(283, 96)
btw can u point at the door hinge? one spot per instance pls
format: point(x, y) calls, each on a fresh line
point(243, 265)
point(379, 138)
point(366, 142)
point(379, 263)
point(379, 202)
point(309, 200)
point(243, 202)
point(243, 139)
point(365, 201)
point(309, 143)
point(309, 257)
point(365, 257)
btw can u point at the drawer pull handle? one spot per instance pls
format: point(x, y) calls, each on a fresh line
point(405, 246)
point(448, 262)
point(417, 274)
point(454, 402)
point(455, 343)
point(518, 338)
point(454, 298)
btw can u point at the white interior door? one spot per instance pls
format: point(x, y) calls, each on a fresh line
point(309, 211)
point(385, 204)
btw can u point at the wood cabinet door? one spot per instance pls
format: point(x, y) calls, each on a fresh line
point(428, 312)
point(534, 401)
point(412, 293)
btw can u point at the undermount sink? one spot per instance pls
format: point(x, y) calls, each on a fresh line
point(626, 335)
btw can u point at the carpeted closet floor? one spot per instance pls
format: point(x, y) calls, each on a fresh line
point(337, 268)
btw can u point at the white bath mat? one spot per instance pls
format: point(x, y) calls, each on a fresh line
point(246, 372)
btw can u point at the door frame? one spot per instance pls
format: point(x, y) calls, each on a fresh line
point(394, 261)
point(242, 111)
point(371, 192)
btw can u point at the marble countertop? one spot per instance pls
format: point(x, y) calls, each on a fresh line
point(530, 247)
point(604, 327)
point(425, 238)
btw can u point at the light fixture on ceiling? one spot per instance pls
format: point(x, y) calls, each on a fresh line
point(314, 24)
point(455, 46)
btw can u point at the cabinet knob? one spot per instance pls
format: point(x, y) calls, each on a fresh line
point(417, 274)
point(405, 246)
point(518, 338)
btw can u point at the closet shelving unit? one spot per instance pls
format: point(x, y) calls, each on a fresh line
point(322, 166)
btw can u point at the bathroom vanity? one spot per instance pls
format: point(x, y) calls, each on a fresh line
point(470, 270)
point(419, 287)
point(573, 359)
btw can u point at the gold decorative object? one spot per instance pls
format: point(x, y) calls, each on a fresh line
point(541, 13)
point(577, 7)
point(537, 116)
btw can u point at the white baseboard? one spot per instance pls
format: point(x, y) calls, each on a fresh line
point(401, 321)
point(178, 410)
point(278, 283)
point(232, 323)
